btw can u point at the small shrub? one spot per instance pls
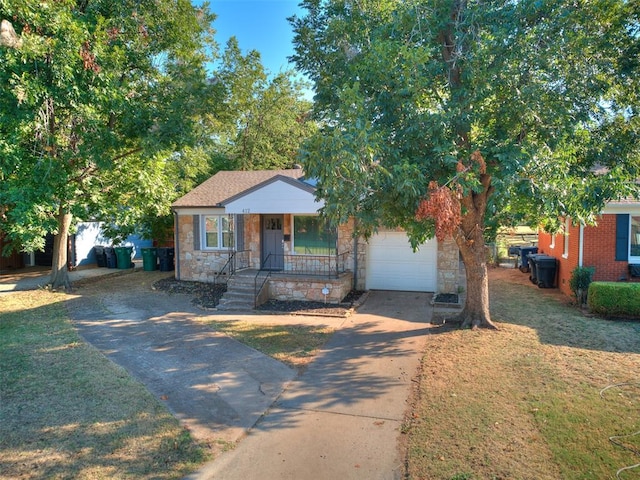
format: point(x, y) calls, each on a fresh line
point(581, 278)
point(614, 298)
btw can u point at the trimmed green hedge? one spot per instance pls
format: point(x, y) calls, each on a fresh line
point(614, 298)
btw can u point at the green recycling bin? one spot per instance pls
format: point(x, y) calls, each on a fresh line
point(149, 259)
point(123, 256)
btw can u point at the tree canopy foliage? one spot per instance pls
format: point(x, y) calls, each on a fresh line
point(265, 118)
point(97, 95)
point(522, 111)
point(109, 111)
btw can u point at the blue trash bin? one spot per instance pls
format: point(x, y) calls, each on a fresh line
point(165, 258)
point(524, 257)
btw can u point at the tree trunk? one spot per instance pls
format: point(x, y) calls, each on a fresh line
point(475, 313)
point(470, 240)
point(59, 271)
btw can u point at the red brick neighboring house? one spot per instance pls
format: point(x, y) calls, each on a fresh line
point(610, 246)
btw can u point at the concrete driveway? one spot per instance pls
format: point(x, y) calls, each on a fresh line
point(341, 418)
point(216, 386)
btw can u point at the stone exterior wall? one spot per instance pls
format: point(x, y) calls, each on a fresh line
point(324, 265)
point(448, 266)
point(196, 265)
point(283, 287)
point(203, 265)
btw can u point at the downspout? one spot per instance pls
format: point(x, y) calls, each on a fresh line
point(581, 246)
point(176, 240)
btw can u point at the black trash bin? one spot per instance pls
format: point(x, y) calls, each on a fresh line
point(110, 256)
point(165, 258)
point(545, 267)
point(531, 261)
point(101, 258)
point(524, 257)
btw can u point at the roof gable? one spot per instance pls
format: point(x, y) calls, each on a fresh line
point(278, 178)
point(279, 194)
point(226, 185)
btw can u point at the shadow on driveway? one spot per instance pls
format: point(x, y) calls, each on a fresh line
point(342, 416)
point(215, 385)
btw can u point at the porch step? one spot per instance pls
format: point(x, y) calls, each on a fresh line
point(239, 295)
point(234, 306)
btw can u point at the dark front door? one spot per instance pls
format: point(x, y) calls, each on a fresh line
point(272, 242)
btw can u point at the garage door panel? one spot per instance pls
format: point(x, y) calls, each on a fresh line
point(393, 265)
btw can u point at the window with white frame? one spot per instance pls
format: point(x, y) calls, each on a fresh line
point(312, 236)
point(217, 231)
point(634, 234)
point(565, 238)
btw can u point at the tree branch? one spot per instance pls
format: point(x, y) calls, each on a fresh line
point(126, 154)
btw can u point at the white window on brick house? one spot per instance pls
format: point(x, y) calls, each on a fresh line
point(634, 239)
point(565, 238)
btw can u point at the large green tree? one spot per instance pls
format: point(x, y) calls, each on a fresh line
point(99, 100)
point(442, 116)
point(265, 116)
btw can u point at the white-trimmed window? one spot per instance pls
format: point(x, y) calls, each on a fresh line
point(565, 238)
point(217, 232)
point(634, 238)
point(312, 236)
point(553, 241)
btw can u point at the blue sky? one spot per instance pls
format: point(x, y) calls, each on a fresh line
point(258, 25)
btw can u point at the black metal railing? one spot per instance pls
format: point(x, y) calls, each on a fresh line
point(237, 261)
point(308, 265)
point(265, 274)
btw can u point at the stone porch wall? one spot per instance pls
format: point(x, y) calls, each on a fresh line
point(361, 274)
point(448, 266)
point(292, 287)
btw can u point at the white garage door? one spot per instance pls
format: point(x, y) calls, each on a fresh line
point(393, 265)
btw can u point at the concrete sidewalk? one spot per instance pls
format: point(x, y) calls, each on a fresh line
point(342, 418)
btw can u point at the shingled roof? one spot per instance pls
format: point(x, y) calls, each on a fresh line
point(224, 185)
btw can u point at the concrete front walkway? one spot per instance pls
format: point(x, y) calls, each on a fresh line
point(342, 418)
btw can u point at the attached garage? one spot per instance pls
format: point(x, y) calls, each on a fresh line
point(393, 265)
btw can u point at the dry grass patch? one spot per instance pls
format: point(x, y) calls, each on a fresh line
point(67, 412)
point(525, 402)
point(293, 345)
